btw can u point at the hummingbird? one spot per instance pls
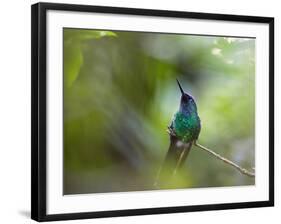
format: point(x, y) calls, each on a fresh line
point(184, 131)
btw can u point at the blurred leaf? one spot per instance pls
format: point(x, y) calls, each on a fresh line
point(73, 59)
point(78, 35)
point(73, 56)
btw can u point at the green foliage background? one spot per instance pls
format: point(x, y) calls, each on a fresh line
point(120, 94)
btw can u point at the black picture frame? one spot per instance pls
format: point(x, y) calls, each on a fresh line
point(38, 108)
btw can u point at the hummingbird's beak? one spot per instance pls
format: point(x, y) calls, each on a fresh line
point(182, 92)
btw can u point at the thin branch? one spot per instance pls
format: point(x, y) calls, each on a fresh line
point(239, 168)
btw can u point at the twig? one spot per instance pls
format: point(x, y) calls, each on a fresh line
point(239, 168)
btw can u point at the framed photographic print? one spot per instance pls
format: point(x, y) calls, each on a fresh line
point(139, 111)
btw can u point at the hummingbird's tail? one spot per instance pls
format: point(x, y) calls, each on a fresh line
point(175, 158)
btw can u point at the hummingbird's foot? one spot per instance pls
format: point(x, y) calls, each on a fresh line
point(171, 131)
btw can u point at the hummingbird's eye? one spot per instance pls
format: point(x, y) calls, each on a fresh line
point(185, 97)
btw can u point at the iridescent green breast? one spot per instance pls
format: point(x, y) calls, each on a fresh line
point(186, 126)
